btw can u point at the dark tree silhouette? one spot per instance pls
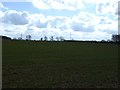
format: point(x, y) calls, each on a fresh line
point(61, 38)
point(57, 38)
point(51, 38)
point(41, 39)
point(19, 38)
point(28, 37)
point(45, 38)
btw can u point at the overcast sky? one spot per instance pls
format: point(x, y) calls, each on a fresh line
point(83, 19)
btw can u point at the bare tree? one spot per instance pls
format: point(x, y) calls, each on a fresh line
point(20, 38)
point(51, 38)
point(57, 38)
point(61, 38)
point(14, 38)
point(45, 38)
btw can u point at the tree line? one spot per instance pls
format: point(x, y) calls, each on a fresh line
point(45, 38)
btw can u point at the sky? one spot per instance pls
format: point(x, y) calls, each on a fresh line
point(71, 19)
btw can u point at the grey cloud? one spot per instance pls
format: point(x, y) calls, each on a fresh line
point(57, 23)
point(110, 31)
point(41, 24)
point(6, 30)
point(79, 27)
point(99, 8)
point(103, 21)
point(29, 28)
point(16, 18)
point(63, 27)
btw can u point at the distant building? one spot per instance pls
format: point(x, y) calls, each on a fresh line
point(116, 38)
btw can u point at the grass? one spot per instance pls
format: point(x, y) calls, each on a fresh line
point(29, 64)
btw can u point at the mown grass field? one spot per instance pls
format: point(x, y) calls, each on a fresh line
point(29, 64)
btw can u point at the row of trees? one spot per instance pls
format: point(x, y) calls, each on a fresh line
point(28, 37)
point(51, 38)
point(45, 38)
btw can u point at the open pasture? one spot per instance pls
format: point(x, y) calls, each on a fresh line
point(28, 64)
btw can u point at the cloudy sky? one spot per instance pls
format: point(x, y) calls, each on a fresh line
point(80, 19)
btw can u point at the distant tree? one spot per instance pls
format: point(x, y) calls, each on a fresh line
point(14, 38)
point(28, 37)
point(19, 38)
point(45, 38)
point(41, 39)
point(57, 38)
point(51, 38)
point(103, 41)
point(61, 38)
point(108, 40)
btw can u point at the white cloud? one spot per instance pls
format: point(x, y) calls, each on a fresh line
point(2, 7)
point(103, 6)
point(58, 4)
point(97, 35)
point(107, 25)
point(14, 0)
point(83, 26)
point(59, 22)
point(38, 20)
point(100, 1)
point(86, 18)
point(15, 17)
point(12, 30)
point(40, 4)
point(107, 7)
point(1, 16)
point(92, 25)
point(85, 22)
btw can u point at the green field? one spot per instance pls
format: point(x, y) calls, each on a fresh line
point(28, 64)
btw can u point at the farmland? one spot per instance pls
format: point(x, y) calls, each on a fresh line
point(30, 64)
